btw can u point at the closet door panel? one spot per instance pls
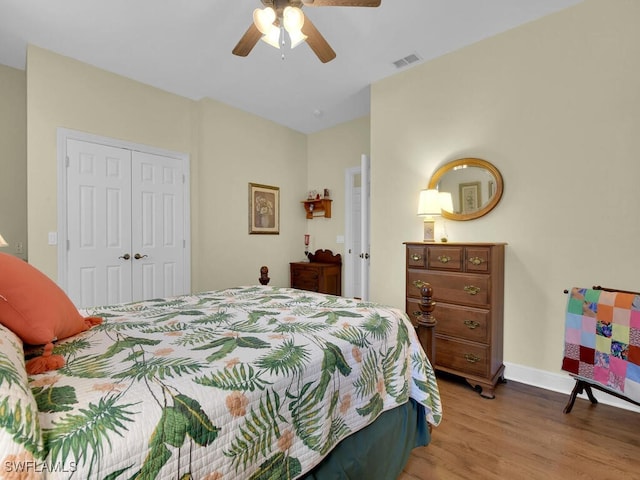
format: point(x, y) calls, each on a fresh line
point(98, 223)
point(157, 226)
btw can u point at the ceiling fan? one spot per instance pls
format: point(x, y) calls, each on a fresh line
point(278, 16)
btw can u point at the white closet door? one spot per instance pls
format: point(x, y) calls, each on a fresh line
point(98, 223)
point(157, 211)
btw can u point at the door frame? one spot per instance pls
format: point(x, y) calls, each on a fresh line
point(64, 134)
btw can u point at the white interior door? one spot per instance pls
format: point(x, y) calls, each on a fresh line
point(365, 167)
point(125, 225)
point(157, 231)
point(356, 277)
point(99, 223)
point(351, 278)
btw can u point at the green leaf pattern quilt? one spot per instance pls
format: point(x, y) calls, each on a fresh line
point(249, 382)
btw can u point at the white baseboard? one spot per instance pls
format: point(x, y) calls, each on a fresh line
point(558, 382)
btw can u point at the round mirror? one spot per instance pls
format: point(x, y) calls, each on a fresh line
point(475, 186)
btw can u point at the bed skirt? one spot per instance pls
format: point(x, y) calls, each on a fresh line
point(389, 440)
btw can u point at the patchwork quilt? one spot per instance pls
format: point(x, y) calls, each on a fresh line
point(249, 382)
point(602, 339)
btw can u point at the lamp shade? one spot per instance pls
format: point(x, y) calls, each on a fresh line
point(446, 201)
point(3, 242)
point(429, 203)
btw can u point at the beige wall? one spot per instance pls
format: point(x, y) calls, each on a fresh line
point(63, 92)
point(238, 148)
point(555, 105)
point(13, 160)
point(329, 154)
point(228, 149)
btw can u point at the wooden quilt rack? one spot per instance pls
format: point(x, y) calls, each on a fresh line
point(584, 385)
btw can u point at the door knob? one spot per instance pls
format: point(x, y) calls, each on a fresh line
point(137, 256)
point(126, 256)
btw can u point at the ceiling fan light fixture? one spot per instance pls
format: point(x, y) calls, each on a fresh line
point(263, 19)
point(293, 19)
point(272, 37)
point(297, 37)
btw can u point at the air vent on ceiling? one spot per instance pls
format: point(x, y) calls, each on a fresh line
point(408, 60)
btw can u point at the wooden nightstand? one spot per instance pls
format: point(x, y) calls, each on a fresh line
point(322, 273)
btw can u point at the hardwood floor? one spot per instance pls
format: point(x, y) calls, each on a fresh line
point(523, 434)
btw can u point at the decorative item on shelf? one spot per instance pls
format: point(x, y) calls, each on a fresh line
point(430, 206)
point(327, 193)
point(3, 242)
point(317, 207)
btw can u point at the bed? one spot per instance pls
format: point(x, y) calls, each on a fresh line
point(247, 382)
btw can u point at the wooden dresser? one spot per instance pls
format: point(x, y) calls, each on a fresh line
point(322, 273)
point(468, 288)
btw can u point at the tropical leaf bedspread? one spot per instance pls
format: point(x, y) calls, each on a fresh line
point(248, 382)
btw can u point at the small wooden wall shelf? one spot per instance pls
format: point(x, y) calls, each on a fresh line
point(321, 205)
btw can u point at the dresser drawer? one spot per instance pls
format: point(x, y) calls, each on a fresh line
point(478, 259)
point(465, 357)
point(304, 279)
point(466, 289)
point(466, 323)
point(416, 256)
point(445, 258)
point(413, 310)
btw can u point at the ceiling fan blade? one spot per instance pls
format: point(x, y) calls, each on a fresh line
point(317, 42)
point(342, 3)
point(248, 41)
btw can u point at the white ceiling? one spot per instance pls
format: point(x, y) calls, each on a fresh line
point(184, 47)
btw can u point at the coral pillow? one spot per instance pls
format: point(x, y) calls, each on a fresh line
point(35, 308)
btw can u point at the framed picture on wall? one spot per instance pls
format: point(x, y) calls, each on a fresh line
point(469, 197)
point(264, 209)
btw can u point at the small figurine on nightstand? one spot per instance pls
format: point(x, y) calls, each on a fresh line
point(306, 246)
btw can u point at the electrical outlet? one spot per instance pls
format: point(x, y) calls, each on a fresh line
point(19, 247)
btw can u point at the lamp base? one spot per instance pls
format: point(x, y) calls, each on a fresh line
point(429, 230)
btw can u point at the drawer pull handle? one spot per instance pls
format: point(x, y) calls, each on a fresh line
point(419, 283)
point(416, 257)
point(472, 290)
point(471, 324)
point(476, 260)
point(444, 259)
point(471, 358)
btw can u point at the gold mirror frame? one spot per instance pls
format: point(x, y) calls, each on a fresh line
point(471, 162)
